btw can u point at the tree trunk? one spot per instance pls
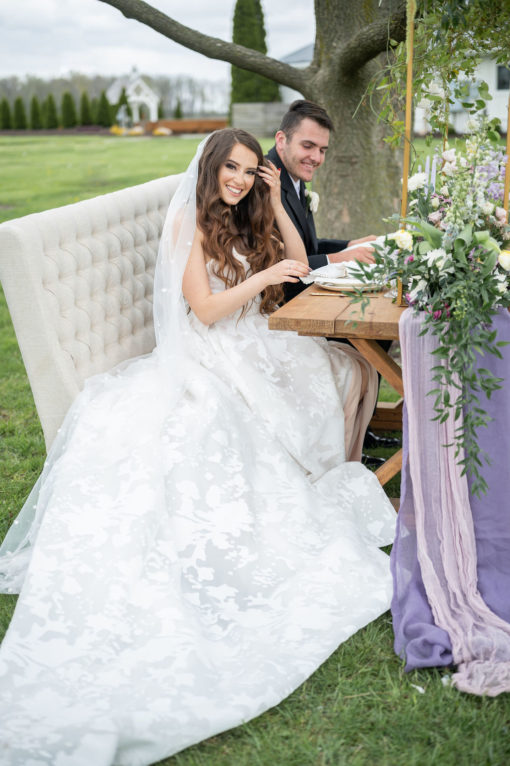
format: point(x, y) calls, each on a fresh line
point(359, 183)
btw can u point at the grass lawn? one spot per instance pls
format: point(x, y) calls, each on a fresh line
point(359, 708)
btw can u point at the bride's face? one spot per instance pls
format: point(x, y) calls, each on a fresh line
point(237, 174)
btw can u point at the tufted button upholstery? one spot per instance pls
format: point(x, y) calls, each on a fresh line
point(78, 281)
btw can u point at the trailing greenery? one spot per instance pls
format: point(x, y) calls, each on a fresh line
point(451, 38)
point(454, 263)
point(248, 30)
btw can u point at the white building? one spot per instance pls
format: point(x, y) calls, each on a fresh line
point(496, 76)
point(138, 94)
point(300, 59)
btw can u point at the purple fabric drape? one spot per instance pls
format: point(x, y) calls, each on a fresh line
point(451, 557)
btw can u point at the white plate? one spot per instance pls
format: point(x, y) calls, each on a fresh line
point(346, 285)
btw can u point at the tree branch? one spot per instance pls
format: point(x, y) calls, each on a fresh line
point(372, 40)
point(213, 47)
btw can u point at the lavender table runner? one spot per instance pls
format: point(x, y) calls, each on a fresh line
point(451, 557)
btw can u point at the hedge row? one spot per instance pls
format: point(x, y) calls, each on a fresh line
point(46, 116)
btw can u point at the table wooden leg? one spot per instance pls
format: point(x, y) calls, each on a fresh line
point(382, 362)
point(390, 468)
point(387, 416)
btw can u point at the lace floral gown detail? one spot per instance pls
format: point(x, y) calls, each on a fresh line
point(190, 565)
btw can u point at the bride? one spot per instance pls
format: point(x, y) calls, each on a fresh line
point(203, 535)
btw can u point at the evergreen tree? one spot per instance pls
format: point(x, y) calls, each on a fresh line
point(94, 106)
point(248, 30)
point(178, 110)
point(103, 116)
point(35, 114)
point(85, 110)
point(50, 113)
point(123, 101)
point(5, 115)
point(20, 115)
point(69, 118)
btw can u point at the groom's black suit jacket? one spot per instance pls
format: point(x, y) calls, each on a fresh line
point(316, 249)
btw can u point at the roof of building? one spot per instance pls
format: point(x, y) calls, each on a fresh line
point(301, 56)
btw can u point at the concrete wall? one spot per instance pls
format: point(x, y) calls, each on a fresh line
point(259, 119)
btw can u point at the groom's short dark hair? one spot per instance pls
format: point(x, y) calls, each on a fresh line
point(300, 110)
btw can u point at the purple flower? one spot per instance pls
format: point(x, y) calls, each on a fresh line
point(435, 217)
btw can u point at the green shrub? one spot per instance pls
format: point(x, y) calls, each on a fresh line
point(35, 114)
point(5, 115)
point(20, 115)
point(248, 30)
point(104, 116)
point(50, 117)
point(69, 117)
point(85, 110)
point(178, 110)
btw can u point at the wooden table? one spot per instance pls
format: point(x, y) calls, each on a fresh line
point(320, 312)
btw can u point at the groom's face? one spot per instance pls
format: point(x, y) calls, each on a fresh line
point(305, 150)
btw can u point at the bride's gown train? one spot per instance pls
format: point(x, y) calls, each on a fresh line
point(189, 564)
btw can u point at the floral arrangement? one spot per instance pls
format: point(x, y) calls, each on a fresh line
point(454, 263)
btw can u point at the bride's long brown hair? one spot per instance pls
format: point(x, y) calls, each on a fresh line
point(247, 227)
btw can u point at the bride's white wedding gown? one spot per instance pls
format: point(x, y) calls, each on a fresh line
point(193, 564)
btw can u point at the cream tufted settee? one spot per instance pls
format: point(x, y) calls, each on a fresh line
point(78, 282)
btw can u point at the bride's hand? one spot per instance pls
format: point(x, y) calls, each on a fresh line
point(270, 174)
point(285, 271)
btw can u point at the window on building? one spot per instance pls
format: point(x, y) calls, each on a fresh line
point(503, 78)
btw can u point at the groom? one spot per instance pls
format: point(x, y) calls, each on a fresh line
point(300, 148)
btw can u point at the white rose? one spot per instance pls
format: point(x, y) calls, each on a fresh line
point(487, 208)
point(436, 90)
point(420, 287)
point(403, 238)
point(314, 200)
point(504, 259)
point(444, 191)
point(436, 257)
point(435, 203)
point(501, 281)
point(417, 181)
point(449, 168)
point(500, 214)
point(449, 155)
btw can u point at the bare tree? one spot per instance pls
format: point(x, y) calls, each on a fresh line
point(360, 180)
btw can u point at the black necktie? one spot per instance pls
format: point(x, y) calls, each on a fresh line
point(302, 196)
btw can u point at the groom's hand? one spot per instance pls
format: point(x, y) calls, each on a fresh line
point(361, 253)
point(369, 238)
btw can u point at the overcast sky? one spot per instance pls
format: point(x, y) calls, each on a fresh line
point(53, 37)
